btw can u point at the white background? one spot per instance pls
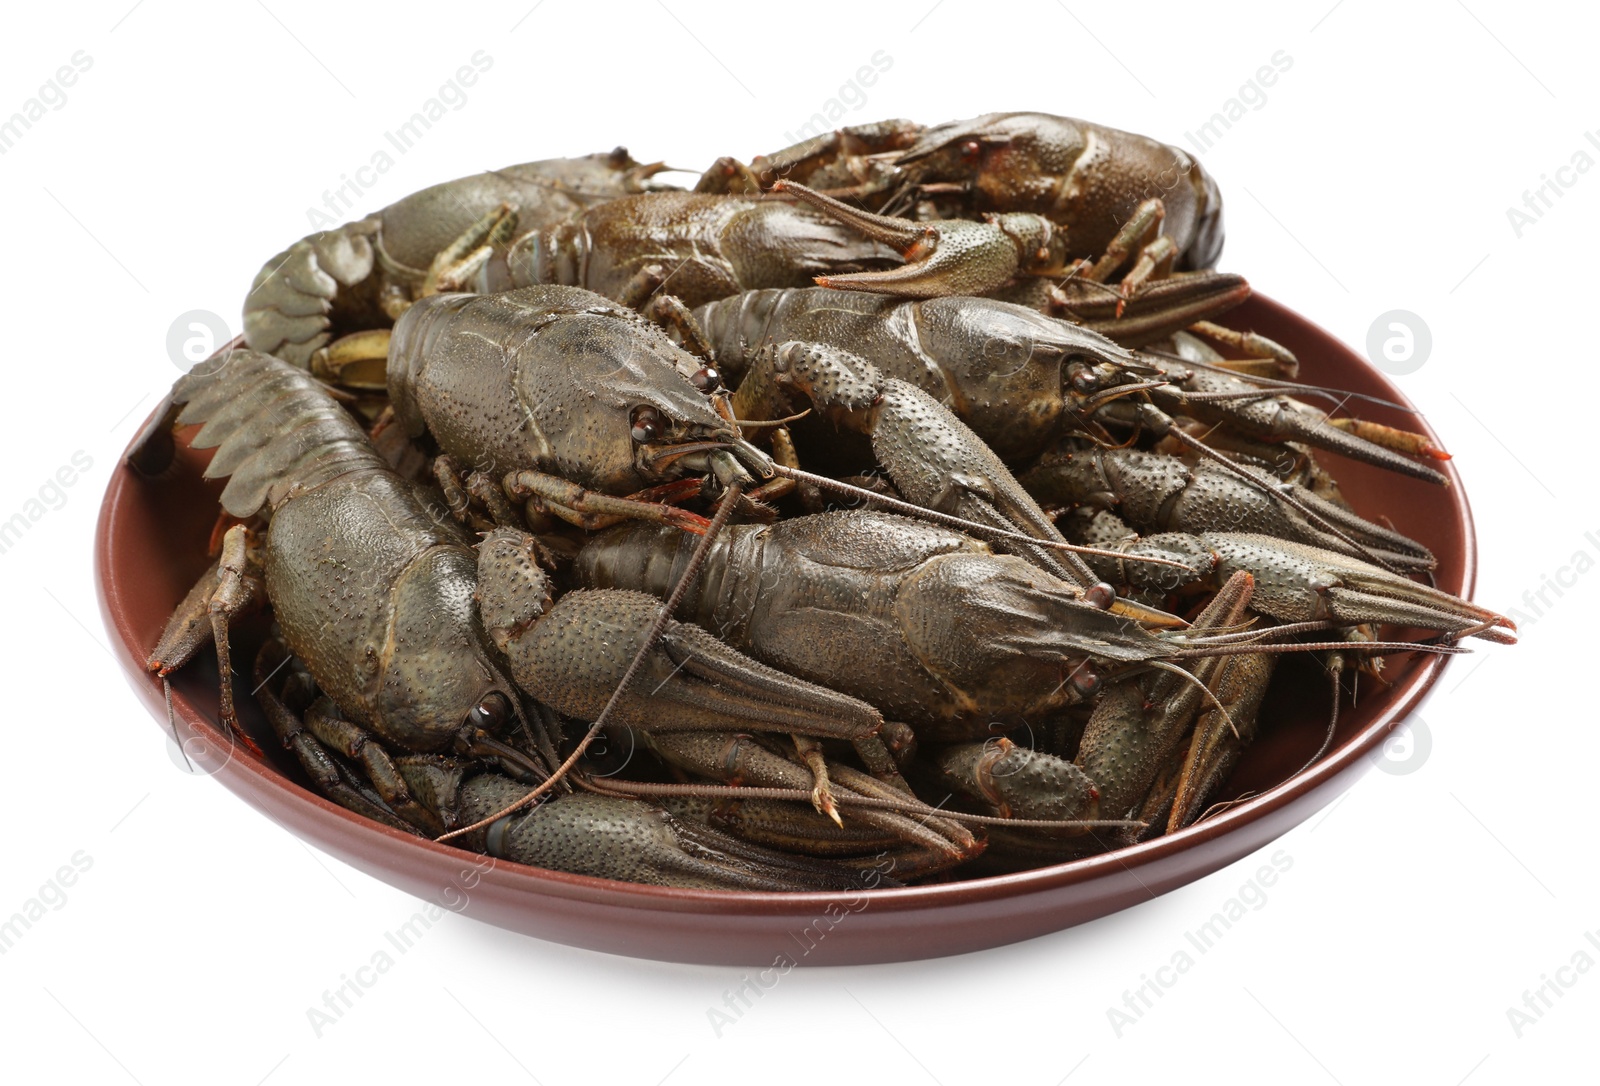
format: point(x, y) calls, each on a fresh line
point(1376, 176)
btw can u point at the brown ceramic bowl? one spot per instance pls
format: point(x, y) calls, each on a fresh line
point(149, 549)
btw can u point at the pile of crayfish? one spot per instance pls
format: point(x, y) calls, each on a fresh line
point(894, 496)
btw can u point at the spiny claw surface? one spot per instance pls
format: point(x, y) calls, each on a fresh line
point(1158, 493)
point(1297, 583)
point(610, 837)
point(1015, 782)
point(933, 458)
point(1220, 398)
point(573, 655)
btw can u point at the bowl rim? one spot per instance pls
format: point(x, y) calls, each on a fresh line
point(245, 773)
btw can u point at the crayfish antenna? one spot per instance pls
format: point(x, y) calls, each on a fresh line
point(908, 805)
point(1334, 673)
point(172, 722)
point(1342, 395)
point(1205, 691)
point(1201, 650)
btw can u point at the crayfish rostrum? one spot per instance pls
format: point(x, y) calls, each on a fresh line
point(894, 495)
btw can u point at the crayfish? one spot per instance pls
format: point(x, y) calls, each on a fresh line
point(895, 494)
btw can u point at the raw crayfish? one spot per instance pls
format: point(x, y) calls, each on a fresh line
point(819, 682)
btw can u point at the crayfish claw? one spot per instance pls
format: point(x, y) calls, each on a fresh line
point(1297, 583)
point(1015, 782)
point(613, 837)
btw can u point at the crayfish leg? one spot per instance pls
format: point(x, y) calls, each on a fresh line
point(240, 589)
point(189, 628)
point(282, 702)
point(1263, 357)
point(592, 510)
point(739, 758)
point(1155, 262)
point(454, 266)
point(323, 722)
point(232, 586)
point(1141, 231)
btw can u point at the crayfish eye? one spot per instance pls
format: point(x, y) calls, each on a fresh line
point(491, 714)
point(1086, 679)
point(1100, 596)
point(646, 423)
point(706, 379)
point(1084, 380)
